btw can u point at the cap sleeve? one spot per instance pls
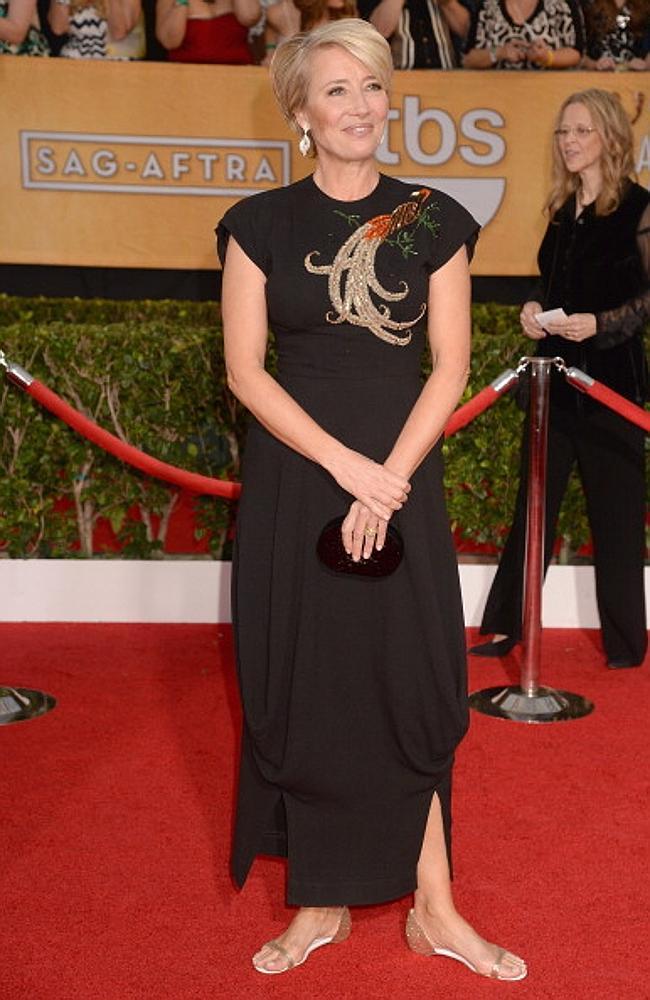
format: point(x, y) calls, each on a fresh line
point(454, 227)
point(247, 221)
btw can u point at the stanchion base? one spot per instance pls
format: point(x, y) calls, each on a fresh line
point(21, 704)
point(547, 705)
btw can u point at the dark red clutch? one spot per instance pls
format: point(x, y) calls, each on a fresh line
point(332, 554)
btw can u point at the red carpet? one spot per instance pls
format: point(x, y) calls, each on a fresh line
point(116, 810)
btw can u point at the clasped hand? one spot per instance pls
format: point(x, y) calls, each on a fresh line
point(538, 53)
point(514, 51)
point(576, 327)
point(379, 492)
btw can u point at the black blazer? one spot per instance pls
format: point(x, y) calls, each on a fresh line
point(593, 264)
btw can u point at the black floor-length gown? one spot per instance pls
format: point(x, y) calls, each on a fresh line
point(354, 689)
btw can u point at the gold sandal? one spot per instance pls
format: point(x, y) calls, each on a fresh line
point(342, 933)
point(418, 942)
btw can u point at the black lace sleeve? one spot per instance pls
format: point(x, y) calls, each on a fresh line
point(617, 325)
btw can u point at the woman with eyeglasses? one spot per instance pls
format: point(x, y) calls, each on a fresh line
point(594, 262)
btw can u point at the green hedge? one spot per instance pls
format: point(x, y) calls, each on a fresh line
point(153, 373)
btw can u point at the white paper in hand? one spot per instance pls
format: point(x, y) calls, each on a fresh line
point(550, 316)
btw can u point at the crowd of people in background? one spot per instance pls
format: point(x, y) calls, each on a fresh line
point(601, 35)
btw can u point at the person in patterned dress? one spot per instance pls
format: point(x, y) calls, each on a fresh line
point(20, 29)
point(90, 26)
point(617, 34)
point(525, 34)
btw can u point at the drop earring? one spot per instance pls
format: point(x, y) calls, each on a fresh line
point(305, 143)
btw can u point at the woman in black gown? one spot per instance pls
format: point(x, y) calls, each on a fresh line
point(594, 262)
point(353, 688)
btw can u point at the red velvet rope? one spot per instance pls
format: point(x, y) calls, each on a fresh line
point(191, 481)
point(471, 409)
point(635, 414)
point(205, 485)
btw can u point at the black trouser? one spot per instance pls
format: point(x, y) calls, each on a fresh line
point(610, 455)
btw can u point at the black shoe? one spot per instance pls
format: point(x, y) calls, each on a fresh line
point(493, 648)
point(621, 664)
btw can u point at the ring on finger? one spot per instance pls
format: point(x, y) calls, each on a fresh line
point(370, 532)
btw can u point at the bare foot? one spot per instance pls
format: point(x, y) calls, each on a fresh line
point(450, 931)
point(312, 927)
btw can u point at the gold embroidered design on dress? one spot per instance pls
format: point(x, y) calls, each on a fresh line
point(352, 275)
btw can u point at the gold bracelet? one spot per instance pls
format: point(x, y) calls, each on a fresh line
point(550, 58)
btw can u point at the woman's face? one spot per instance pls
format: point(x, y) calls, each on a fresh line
point(346, 106)
point(579, 141)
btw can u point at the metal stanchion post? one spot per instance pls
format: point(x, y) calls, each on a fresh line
point(528, 701)
point(21, 704)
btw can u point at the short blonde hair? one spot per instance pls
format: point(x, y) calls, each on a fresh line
point(617, 161)
point(290, 64)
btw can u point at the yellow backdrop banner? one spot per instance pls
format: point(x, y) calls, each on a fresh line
point(132, 164)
